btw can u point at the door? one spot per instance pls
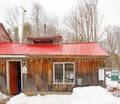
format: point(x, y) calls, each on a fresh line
point(15, 73)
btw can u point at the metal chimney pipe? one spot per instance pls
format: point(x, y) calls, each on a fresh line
point(45, 29)
point(21, 23)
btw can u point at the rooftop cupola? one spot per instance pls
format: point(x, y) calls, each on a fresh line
point(45, 40)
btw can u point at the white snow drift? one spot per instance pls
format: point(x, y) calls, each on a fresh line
point(80, 95)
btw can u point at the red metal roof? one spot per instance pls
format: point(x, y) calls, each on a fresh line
point(82, 49)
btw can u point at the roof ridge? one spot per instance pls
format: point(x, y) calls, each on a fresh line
point(80, 43)
point(51, 44)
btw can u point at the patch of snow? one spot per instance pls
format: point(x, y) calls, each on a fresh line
point(2, 96)
point(80, 95)
point(110, 83)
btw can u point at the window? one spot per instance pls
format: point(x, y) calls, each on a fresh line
point(58, 73)
point(63, 72)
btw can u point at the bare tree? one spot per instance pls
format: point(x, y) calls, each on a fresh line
point(11, 17)
point(113, 45)
point(83, 21)
point(27, 31)
point(52, 26)
point(39, 24)
point(37, 19)
point(42, 23)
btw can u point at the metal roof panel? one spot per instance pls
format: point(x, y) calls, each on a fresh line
point(87, 49)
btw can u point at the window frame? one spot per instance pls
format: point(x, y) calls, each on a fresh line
point(63, 72)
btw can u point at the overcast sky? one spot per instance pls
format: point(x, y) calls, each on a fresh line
point(110, 9)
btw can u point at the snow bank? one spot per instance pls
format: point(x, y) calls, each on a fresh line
point(95, 95)
point(110, 83)
point(80, 95)
point(2, 96)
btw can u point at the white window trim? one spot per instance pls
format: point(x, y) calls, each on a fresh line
point(63, 72)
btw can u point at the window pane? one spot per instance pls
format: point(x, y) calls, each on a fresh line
point(59, 73)
point(69, 73)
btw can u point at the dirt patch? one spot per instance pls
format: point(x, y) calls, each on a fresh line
point(4, 101)
point(115, 91)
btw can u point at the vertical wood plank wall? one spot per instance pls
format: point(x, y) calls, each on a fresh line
point(40, 73)
point(3, 82)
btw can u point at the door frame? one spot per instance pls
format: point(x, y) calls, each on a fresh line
point(8, 74)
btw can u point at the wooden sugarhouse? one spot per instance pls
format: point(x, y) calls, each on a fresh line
point(47, 65)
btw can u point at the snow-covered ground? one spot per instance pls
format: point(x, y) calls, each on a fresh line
point(2, 96)
point(110, 83)
point(113, 86)
point(80, 95)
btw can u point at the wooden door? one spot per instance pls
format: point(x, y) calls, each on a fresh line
point(13, 70)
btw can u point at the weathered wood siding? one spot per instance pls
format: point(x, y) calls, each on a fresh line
point(87, 69)
point(40, 73)
point(3, 82)
point(4, 36)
